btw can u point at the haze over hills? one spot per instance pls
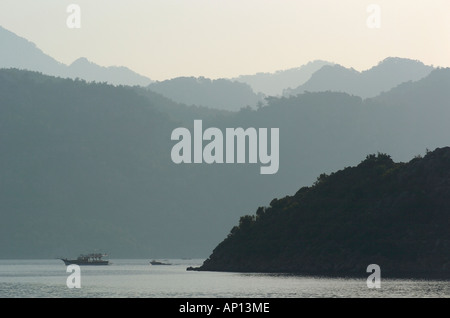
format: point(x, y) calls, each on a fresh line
point(224, 94)
point(116, 75)
point(273, 84)
point(218, 94)
point(387, 74)
point(87, 165)
point(20, 53)
point(318, 76)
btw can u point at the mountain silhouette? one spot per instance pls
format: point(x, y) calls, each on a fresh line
point(218, 94)
point(273, 84)
point(224, 94)
point(20, 53)
point(387, 74)
point(115, 75)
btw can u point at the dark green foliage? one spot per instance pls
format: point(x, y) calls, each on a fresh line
point(395, 215)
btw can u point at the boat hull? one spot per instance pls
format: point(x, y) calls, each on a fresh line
point(159, 263)
point(78, 262)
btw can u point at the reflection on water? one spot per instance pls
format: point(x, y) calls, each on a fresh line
point(137, 278)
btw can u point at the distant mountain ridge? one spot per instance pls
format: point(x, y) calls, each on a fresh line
point(273, 84)
point(20, 53)
point(218, 94)
point(387, 74)
point(225, 94)
point(318, 76)
point(116, 75)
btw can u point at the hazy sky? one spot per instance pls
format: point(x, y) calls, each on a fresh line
point(224, 38)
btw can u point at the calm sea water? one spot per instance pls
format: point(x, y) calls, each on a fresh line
point(136, 278)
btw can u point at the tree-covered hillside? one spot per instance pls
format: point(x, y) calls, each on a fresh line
point(396, 215)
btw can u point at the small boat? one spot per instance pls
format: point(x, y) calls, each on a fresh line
point(88, 259)
point(159, 263)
